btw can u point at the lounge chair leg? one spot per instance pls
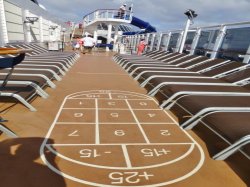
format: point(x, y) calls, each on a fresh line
point(232, 148)
point(154, 91)
point(24, 102)
point(7, 131)
point(2, 120)
point(40, 91)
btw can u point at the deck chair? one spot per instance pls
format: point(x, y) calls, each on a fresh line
point(43, 54)
point(181, 59)
point(175, 61)
point(56, 69)
point(190, 109)
point(236, 131)
point(129, 66)
point(198, 64)
point(167, 56)
point(238, 76)
point(212, 109)
point(19, 92)
point(141, 58)
point(120, 60)
point(156, 83)
point(147, 55)
point(46, 74)
point(137, 72)
point(232, 126)
point(43, 51)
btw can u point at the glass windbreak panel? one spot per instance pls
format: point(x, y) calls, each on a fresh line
point(102, 14)
point(164, 41)
point(211, 40)
point(173, 41)
point(136, 41)
point(157, 37)
point(203, 43)
point(216, 32)
point(188, 42)
point(235, 43)
point(150, 38)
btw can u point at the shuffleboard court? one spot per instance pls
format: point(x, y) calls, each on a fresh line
point(122, 137)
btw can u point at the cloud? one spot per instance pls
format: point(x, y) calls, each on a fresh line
point(162, 14)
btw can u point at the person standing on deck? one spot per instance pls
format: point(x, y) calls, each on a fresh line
point(122, 11)
point(88, 43)
point(141, 46)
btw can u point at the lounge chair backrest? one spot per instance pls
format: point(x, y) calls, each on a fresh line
point(224, 68)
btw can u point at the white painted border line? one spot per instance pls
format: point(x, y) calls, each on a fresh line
point(74, 123)
point(183, 156)
point(138, 123)
point(126, 156)
point(84, 98)
point(108, 91)
point(97, 130)
point(105, 144)
point(192, 172)
point(110, 96)
point(122, 123)
point(102, 74)
point(111, 109)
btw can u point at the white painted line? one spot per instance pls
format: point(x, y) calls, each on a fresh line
point(144, 123)
point(107, 123)
point(126, 156)
point(43, 156)
point(110, 109)
point(101, 74)
point(128, 109)
point(110, 96)
point(109, 91)
point(78, 108)
point(97, 131)
point(158, 123)
point(138, 123)
point(122, 99)
point(81, 98)
point(74, 123)
point(115, 144)
point(183, 156)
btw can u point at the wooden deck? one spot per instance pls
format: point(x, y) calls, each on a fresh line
point(99, 128)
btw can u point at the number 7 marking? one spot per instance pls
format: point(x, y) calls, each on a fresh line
point(75, 133)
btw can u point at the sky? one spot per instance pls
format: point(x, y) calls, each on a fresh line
point(163, 14)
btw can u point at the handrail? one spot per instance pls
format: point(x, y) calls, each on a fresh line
point(208, 27)
point(223, 24)
point(103, 10)
point(114, 14)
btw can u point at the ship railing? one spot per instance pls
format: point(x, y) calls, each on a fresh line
point(107, 15)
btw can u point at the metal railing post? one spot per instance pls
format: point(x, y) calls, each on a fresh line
point(218, 41)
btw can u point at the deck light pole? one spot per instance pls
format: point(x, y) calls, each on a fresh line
point(191, 15)
point(63, 38)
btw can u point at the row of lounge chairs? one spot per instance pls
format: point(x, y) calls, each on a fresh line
point(24, 74)
point(214, 92)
